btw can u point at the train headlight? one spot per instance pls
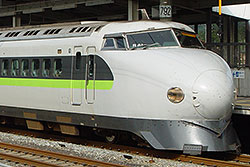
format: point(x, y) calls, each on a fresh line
point(175, 95)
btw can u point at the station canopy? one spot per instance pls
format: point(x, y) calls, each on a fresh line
point(241, 11)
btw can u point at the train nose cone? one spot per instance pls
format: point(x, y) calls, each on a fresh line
point(212, 94)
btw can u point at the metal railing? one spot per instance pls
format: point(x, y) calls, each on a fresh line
point(236, 54)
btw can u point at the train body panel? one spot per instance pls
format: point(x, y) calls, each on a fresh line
point(171, 92)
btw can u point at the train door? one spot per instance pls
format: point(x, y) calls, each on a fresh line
point(90, 74)
point(77, 76)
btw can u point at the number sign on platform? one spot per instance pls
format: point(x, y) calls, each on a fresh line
point(165, 11)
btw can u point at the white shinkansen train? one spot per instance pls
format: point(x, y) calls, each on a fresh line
point(148, 78)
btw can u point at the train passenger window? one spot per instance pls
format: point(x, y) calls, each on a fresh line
point(25, 67)
point(109, 43)
point(46, 67)
point(57, 67)
point(78, 60)
point(15, 67)
point(120, 42)
point(5, 67)
point(35, 65)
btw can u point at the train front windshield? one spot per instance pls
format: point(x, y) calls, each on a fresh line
point(188, 39)
point(163, 38)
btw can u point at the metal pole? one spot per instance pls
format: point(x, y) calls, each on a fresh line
point(248, 45)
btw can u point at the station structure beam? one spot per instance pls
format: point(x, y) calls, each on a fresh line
point(40, 6)
point(133, 6)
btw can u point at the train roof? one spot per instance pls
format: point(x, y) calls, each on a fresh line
point(82, 29)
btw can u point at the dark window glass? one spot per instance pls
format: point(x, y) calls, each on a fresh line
point(78, 60)
point(152, 39)
point(57, 67)
point(35, 65)
point(85, 28)
point(26, 33)
point(57, 31)
point(46, 67)
point(5, 67)
point(120, 42)
point(109, 43)
point(14, 67)
point(46, 32)
point(25, 67)
point(31, 32)
point(7, 34)
point(79, 29)
point(36, 32)
point(188, 39)
point(72, 30)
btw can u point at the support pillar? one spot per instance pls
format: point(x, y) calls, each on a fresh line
point(209, 29)
point(248, 43)
point(16, 20)
point(133, 6)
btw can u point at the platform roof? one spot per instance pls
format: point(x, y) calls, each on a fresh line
point(241, 11)
point(52, 11)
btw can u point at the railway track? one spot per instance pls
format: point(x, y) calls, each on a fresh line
point(229, 160)
point(41, 158)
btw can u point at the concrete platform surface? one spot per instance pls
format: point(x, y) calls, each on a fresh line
point(242, 106)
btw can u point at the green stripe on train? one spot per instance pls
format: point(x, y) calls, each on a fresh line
point(57, 83)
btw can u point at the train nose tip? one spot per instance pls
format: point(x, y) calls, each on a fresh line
point(212, 94)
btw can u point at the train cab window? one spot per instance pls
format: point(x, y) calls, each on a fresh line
point(156, 38)
point(57, 67)
point(5, 67)
point(120, 42)
point(25, 67)
point(15, 67)
point(109, 43)
point(78, 60)
point(35, 65)
point(46, 67)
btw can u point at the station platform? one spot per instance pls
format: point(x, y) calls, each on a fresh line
point(242, 106)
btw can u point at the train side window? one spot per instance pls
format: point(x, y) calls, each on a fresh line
point(57, 67)
point(5, 67)
point(25, 67)
point(14, 67)
point(46, 67)
point(120, 43)
point(35, 65)
point(78, 60)
point(109, 43)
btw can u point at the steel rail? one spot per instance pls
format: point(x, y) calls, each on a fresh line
point(23, 160)
point(57, 155)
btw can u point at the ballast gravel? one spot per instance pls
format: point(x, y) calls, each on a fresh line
point(89, 152)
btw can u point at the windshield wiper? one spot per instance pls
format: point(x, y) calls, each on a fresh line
point(145, 46)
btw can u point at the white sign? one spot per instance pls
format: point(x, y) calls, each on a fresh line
point(165, 11)
point(239, 74)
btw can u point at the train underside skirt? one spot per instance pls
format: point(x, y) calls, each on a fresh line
point(160, 134)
